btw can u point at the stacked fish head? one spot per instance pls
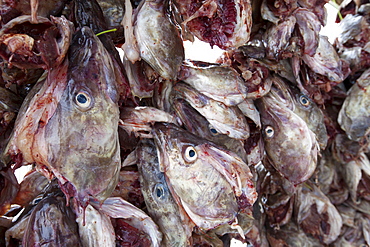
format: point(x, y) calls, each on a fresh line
point(290, 145)
point(210, 183)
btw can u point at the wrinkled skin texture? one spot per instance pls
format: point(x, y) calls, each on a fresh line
point(198, 125)
point(326, 61)
point(354, 116)
point(193, 166)
point(218, 82)
point(356, 174)
point(31, 186)
point(92, 125)
point(158, 199)
point(290, 145)
point(277, 39)
point(138, 120)
point(304, 107)
point(290, 235)
point(309, 27)
point(95, 227)
point(128, 188)
point(225, 119)
point(35, 112)
point(158, 39)
point(226, 24)
point(116, 207)
point(255, 74)
point(89, 13)
point(51, 223)
point(317, 215)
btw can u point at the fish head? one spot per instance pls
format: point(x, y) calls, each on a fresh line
point(205, 179)
point(81, 136)
point(290, 144)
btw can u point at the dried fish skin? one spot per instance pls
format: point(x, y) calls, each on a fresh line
point(354, 116)
point(303, 106)
point(326, 61)
point(290, 145)
point(81, 137)
point(51, 223)
point(160, 204)
point(158, 39)
point(227, 120)
point(95, 228)
point(195, 123)
point(219, 82)
point(193, 166)
point(116, 207)
point(317, 215)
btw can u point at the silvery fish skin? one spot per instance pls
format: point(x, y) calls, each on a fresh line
point(304, 107)
point(290, 144)
point(52, 223)
point(160, 204)
point(219, 82)
point(81, 137)
point(158, 39)
point(195, 167)
point(354, 116)
point(225, 119)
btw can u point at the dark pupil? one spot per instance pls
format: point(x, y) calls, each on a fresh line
point(159, 192)
point(214, 131)
point(81, 99)
point(191, 153)
point(269, 131)
point(304, 100)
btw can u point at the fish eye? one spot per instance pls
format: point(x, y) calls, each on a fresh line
point(190, 154)
point(159, 191)
point(304, 100)
point(269, 131)
point(213, 130)
point(83, 100)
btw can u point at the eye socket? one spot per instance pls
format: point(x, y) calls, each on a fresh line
point(303, 99)
point(83, 100)
point(190, 154)
point(159, 191)
point(269, 131)
point(212, 130)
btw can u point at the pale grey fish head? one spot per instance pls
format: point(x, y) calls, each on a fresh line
point(158, 39)
point(290, 144)
point(227, 120)
point(219, 82)
point(160, 204)
point(207, 197)
point(304, 107)
point(195, 123)
point(81, 136)
point(354, 116)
